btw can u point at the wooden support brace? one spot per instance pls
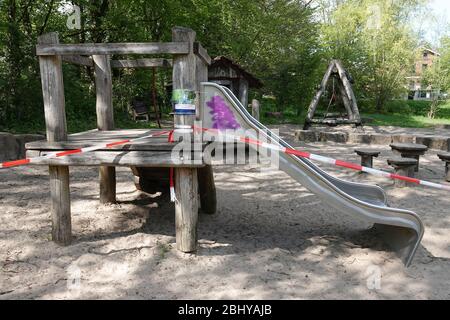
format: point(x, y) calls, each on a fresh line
point(348, 88)
point(55, 120)
point(142, 63)
point(79, 60)
point(105, 121)
point(315, 102)
point(202, 53)
point(186, 184)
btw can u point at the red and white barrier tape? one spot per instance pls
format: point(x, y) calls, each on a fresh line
point(246, 140)
point(327, 160)
point(59, 154)
point(173, 197)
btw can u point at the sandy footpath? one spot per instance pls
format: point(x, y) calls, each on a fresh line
point(271, 239)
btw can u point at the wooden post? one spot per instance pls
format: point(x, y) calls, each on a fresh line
point(447, 171)
point(186, 184)
point(155, 106)
point(315, 101)
point(348, 88)
point(345, 100)
point(243, 91)
point(55, 120)
point(255, 109)
point(105, 121)
point(207, 188)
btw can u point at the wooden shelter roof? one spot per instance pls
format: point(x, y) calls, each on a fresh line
point(221, 61)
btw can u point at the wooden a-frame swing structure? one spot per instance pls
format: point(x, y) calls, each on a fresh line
point(341, 88)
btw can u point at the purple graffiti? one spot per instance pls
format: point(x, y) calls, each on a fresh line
point(222, 116)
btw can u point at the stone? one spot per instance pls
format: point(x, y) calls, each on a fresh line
point(358, 138)
point(9, 147)
point(425, 140)
point(380, 139)
point(439, 143)
point(306, 135)
point(23, 139)
point(403, 138)
point(338, 137)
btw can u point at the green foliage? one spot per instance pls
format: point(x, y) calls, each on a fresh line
point(285, 43)
point(274, 39)
point(397, 107)
point(373, 40)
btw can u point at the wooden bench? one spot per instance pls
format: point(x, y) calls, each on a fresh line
point(139, 110)
point(409, 150)
point(403, 167)
point(445, 156)
point(367, 156)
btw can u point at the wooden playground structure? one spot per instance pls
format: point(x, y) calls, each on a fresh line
point(341, 89)
point(193, 181)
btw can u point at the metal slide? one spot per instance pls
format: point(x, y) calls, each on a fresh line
point(403, 230)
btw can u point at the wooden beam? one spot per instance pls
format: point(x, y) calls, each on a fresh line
point(334, 121)
point(201, 70)
point(112, 48)
point(255, 109)
point(349, 90)
point(55, 121)
point(117, 159)
point(103, 87)
point(105, 121)
point(60, 196)
point(79, 60)
point(319, 93)
point(142, 63)
point(345, 99)
point(202, 53)
point(186, 183)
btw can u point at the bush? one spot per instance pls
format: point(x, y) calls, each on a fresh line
point(397, 107)
point(419, 108)
point(404, 107)
point(366, 106)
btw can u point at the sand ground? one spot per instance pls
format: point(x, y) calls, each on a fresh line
point(270, 239)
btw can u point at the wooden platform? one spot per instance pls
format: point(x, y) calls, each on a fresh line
point(149, 152)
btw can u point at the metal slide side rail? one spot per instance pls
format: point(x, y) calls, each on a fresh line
point(402, 229)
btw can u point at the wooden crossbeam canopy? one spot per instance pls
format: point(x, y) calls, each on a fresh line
point(112, 48)
point(193, 182)
point(345, 90)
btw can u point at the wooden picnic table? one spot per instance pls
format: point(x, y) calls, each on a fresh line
point(409, 150)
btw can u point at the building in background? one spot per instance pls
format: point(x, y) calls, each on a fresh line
point(227, 73)
point(417, 90)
